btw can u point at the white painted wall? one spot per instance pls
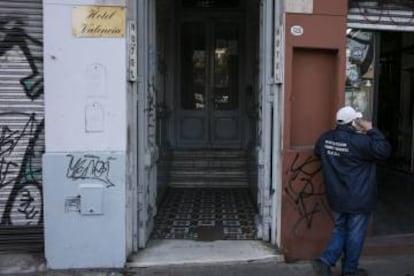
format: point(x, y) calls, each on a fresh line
point(73, 88)
point(74, 239)
point(298, 6)
point(85, 122)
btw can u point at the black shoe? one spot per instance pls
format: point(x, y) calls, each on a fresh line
point(321, 268)
point(359, 272)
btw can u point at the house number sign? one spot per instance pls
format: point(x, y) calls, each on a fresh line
point(296, 30)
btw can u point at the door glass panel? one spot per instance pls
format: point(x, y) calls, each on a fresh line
point(226, 67)
point(359, 88)
point(193, 66)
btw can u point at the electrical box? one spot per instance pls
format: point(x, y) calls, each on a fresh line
point(91, 199)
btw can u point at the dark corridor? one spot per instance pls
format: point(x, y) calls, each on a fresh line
point(395, 118)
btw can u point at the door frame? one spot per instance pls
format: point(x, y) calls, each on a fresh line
point(147, 149)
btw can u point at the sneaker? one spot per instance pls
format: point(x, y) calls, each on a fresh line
point(359, 272)
point(321, 268)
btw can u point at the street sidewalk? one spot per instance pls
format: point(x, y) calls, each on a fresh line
point(30, 264)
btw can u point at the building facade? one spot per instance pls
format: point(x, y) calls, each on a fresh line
point(108, 106)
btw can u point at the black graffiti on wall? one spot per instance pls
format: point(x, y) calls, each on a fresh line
point(22, 132)
point(151, 113)
point(13, 35)
point(23, 173)
point(303, 193)
point(90, 166)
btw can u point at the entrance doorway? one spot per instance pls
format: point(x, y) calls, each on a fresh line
point(200, 174)
point(207, 193)
point(380, 83)
point(209, 98)
point(395, 116)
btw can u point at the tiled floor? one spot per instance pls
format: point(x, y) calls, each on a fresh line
point(394, 213)
point(206, 214)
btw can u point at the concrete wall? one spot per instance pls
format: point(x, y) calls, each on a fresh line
point(86, 129)
point(313, 90)
point(84, 210)
point(86, 81)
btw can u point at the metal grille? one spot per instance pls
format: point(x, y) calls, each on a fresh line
point(395, 15)
point(22, 125)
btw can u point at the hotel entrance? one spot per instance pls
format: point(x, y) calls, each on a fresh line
point(202, 104)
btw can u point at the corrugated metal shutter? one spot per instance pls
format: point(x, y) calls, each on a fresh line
point(22, 125)
point(395, 15)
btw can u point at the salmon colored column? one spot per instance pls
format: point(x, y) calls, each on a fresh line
point(314, 89)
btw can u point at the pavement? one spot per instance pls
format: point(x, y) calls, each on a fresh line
point(35, 264)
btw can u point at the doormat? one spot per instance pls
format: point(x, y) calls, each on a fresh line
point(206, 214)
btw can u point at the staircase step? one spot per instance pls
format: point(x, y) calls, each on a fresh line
point(203, 154)
point(208, 168)
point(210, 163)
point(201, 183)
point(204, 175)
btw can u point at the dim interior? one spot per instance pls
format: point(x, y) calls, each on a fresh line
point(380, 83)
point(395, 117)
point(207, 187)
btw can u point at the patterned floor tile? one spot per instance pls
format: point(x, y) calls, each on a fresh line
point(206, 214)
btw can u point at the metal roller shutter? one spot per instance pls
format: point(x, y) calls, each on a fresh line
point(22, 125)
point(396, 15)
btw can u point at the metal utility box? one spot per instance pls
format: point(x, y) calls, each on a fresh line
point(91, 199)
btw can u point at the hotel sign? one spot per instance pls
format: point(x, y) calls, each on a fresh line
point(98, 21)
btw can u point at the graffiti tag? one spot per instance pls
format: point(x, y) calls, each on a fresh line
point(21, 170)
point(302, 192)
point(90, 167)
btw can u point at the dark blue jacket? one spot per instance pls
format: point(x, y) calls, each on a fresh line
point(348, 164)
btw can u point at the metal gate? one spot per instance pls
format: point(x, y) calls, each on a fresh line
point(22, 125)
point(381, 15)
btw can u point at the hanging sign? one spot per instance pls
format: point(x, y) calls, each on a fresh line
point(98, 21)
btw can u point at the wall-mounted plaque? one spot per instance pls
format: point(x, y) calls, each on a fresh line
point(98, 21)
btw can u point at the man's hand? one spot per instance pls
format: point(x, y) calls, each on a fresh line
point(363, 125)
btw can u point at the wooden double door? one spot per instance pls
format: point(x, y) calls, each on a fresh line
point(209, 104)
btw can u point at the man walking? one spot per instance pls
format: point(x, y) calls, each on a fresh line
point(348, 155)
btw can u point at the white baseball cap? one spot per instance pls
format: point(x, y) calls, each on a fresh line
point(347, 114)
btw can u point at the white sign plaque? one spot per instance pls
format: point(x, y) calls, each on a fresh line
point(296, 30)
